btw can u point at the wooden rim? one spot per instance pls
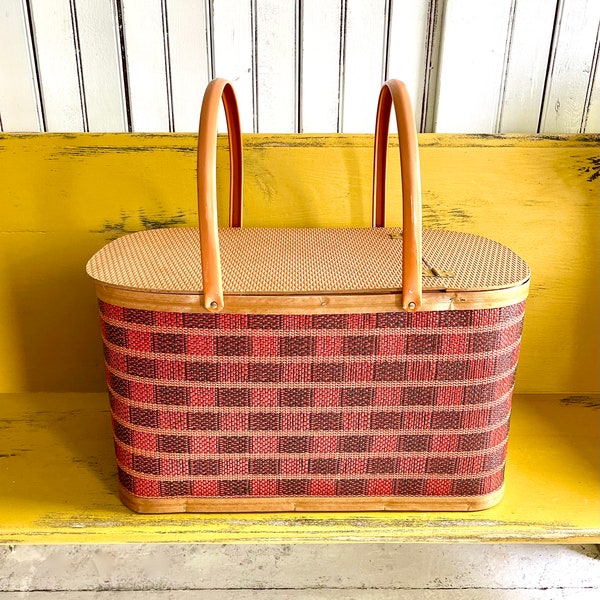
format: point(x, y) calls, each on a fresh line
point(308, 504)
point(313, 304)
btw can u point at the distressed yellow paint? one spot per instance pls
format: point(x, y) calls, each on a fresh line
point(64, 196)
point(59, 485)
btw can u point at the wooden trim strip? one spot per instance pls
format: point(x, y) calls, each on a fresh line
point(313, 304)
point(305, 504)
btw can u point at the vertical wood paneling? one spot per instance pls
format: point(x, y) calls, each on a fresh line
point(321, 24)
point(188, 41)
point(472, 65)
point(575, 43)
point(527, 62)
point(58, 66)
point(309, 65)
point(364, 63)
point(146, 64)
point(101, 65)
point(408, 49)
point(276, 44)
point(234, 52)
point(20, 108)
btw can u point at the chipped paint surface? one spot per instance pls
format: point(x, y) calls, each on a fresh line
point(127, 223)
point(583, 400)
point(591, 169)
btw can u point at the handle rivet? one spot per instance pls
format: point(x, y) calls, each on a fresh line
point(412, 306)
point(213, 304)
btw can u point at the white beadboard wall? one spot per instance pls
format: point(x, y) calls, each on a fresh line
point(472, 66)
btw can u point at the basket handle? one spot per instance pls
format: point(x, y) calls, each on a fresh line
point(207, 184)
point(395, 92)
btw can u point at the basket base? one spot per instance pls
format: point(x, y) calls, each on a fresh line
point(307, 504)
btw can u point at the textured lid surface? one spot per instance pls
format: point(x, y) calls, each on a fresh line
point(303, 261)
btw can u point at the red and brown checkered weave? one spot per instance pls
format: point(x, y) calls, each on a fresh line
point(385, 404)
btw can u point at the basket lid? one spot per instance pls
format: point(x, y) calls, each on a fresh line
point(267, 261)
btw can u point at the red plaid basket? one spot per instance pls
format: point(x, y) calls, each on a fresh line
point(309, 369)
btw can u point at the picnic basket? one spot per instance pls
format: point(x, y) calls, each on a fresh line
point(256, 369)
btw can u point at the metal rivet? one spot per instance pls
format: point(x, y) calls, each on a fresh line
point(412, 306)
point(213, 304)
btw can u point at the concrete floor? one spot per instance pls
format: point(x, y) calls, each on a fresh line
point(312, 572)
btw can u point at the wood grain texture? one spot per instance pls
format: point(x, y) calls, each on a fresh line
point(303, 304)
point(60, 486)
point(64, 197)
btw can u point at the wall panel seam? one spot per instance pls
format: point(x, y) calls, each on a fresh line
point(387, 30)
point(342, 66)
point(434, 40)
point(299, 24)
point(590, 86)
point(209, 10)
point(33, 53)
point(124, 67)
point(167, 55)
point(505, 66)
point(550, 66)
point(79, 65)
point(254, 50)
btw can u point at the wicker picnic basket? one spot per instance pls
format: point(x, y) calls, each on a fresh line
point(254, 369)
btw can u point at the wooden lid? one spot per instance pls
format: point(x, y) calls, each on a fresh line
point(304, 261)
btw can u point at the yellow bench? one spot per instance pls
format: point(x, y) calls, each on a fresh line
point(64, 196)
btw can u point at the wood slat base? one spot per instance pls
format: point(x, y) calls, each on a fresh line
point(306, 504)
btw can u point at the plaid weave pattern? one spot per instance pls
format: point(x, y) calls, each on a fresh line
point(354, 405)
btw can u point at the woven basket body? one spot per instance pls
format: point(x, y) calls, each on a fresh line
point(387, 405)
point(309, 369)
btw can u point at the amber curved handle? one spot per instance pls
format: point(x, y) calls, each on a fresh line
point(395, 92)
point(207, 184)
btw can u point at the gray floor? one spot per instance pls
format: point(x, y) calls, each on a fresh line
point(319, 572)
